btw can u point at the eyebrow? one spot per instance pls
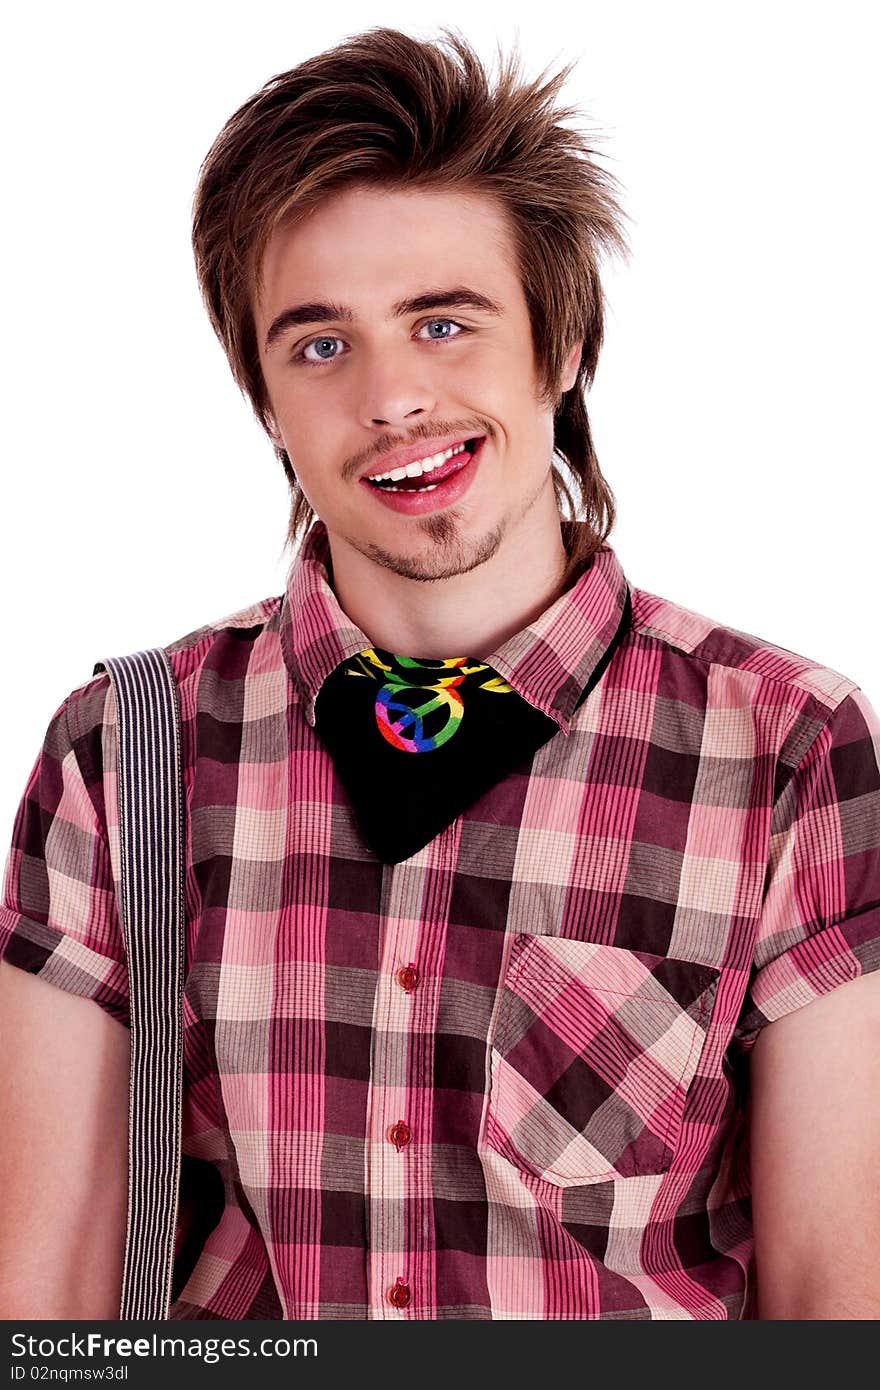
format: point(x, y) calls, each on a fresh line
point(320, 311)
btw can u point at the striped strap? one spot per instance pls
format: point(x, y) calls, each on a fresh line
point(152, 918)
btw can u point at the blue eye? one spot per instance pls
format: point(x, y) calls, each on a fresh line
point(451, 322)
point(318, 344)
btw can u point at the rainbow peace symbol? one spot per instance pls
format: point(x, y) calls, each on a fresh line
point(402, 722)
point(416, 715)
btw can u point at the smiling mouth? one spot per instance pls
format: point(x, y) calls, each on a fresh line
point(429, 478)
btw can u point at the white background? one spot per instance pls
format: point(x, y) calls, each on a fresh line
point(735, 409)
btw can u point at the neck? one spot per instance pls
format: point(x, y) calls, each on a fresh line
point(468, 614)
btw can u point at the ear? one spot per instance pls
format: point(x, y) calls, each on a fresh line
point(570, 369)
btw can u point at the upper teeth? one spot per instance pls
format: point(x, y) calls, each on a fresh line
point(417, 468)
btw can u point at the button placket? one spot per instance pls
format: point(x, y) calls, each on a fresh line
point(400, 1079)
point(389, 1172)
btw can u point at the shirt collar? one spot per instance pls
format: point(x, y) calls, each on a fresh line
point(549, 662)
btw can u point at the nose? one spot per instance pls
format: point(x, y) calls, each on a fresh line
point(395, 388)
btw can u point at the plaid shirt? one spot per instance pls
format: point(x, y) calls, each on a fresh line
point(505, 1077)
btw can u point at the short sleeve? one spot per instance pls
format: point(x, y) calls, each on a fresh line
point(59, 916)
point(820, 923)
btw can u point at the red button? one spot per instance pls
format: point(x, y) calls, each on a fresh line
point(408, 977)
point(400, 1135)
point(399, 1294)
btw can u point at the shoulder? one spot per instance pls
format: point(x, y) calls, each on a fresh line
point(751, 660)
point(778, 700)
point(219, 644)
point(247, 622)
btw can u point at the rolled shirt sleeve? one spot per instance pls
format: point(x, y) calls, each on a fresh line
point(59, 916)
point(820, 923)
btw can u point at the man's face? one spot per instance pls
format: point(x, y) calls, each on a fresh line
point(356, 377)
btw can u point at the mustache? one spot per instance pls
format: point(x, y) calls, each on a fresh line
point(419, 433)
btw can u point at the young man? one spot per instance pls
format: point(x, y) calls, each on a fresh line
point(531, 918)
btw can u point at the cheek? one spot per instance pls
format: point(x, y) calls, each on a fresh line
point(312, 480)
point(308, 433)
point(502, 383)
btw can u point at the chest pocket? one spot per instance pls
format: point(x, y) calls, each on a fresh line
point(594, 1050)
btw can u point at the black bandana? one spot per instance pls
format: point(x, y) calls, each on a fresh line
point(415, 743)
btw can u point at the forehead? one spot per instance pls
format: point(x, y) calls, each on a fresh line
point(367, 243)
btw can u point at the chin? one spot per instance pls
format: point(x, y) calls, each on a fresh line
point(448, 552)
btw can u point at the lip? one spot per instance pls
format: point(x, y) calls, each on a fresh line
point(454, 486)
point(399, 458)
